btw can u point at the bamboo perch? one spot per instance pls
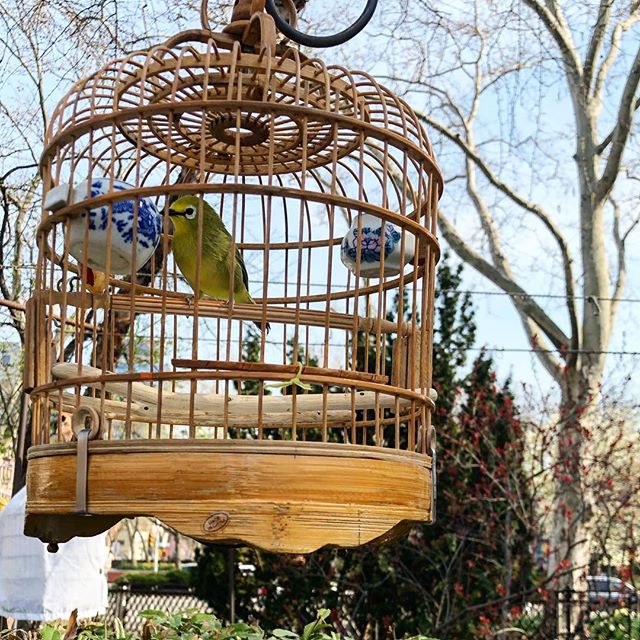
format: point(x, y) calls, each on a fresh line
point(253, 312)
point(223, 365)
point(184, 305)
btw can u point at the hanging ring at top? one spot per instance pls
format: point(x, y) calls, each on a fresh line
point(322, 41)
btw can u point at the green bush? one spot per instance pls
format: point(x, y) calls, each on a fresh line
point(204, 626)
point(620, 624)
point(529, 622)
point(170, 578)
point(184, 626)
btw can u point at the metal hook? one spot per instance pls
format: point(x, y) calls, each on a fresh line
point(322, 41)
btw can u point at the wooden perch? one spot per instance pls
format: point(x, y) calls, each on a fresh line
point(181, 304)
point(222, 365)
point(150, 404)
point(148, 413)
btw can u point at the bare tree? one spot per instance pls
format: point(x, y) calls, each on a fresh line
point(533, 102)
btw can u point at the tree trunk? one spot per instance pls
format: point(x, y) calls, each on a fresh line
point(571, 535)
point(572, 507)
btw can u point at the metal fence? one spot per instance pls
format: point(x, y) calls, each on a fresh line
point(126, 603)
point(573, 615)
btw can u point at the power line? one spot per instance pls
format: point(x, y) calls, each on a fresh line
point(579, 351)
point(475, 292)
point(335, 345)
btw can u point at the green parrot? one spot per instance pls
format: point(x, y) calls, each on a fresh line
point(215, 261)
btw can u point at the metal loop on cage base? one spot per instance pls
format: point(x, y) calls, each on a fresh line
point(431, 448)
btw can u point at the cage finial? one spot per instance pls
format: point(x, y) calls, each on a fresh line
point(250, 24)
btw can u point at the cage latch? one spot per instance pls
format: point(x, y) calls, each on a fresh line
point(431, 447)
point(86, 426)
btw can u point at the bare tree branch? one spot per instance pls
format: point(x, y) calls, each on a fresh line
point(533, 208)
point(607, 141)
point(597, 40)
point(526, 303)
point(556, 26)
point(620, 241)
point(612, 53)
point(501, 262)
point(621, 130)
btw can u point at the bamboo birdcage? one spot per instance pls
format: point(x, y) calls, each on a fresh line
point(145, 399)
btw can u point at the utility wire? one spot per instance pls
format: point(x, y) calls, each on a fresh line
point(336, 345)
point(478, 292)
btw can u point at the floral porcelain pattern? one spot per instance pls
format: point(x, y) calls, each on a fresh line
point(149, 228)
point(149, 220)
point(369, 241)
point(371, 244)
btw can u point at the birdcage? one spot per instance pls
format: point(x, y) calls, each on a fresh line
point(292, 417)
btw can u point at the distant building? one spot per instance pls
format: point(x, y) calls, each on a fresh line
point(136, 538)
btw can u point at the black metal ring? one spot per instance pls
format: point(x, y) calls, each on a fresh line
point(322, 41)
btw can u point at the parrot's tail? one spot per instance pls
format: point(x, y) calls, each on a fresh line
point(267, 326)
point(260, 326)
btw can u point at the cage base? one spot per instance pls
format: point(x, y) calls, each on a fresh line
point(283, 496)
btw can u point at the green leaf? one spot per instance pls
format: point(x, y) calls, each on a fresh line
point(174, 621)
point(284, 633)
point(118, 629)
point(153, 614)
point(49, 632)
point(295, 380)
point(312, 631)
point(203, 617)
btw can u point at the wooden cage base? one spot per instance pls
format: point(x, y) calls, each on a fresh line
point(284, 496)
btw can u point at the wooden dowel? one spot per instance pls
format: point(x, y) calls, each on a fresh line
point(224, 365)
point(183, 305)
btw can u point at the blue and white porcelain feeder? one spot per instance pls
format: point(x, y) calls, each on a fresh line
point(370, 243)
point(149, 225)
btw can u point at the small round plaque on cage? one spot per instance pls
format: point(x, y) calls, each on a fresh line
point(215, 522)
point(367, 237)
point(122, 213)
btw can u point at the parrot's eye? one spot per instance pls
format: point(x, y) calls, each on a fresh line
point(190, 213)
